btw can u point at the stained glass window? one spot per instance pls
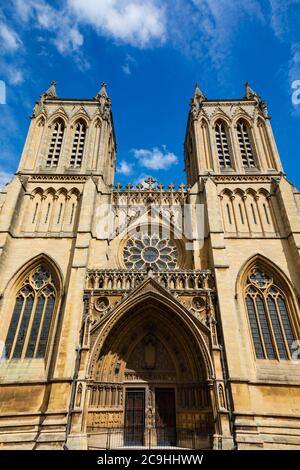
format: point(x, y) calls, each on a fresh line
point(32, 316)
point(269, 317)
point(144, 251)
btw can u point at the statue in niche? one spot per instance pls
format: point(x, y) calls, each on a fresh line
point(149, 352)
point(221, 397)
point(79, 395)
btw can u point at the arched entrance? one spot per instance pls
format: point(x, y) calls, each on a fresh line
point(149, 382)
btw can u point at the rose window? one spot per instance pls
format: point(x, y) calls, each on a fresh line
point(150, 251)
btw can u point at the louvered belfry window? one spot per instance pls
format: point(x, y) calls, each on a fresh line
point(222, 145)
point(269, 316)
point(78, 145)
point(245, 144)
point(56, 143)
point(32, 317)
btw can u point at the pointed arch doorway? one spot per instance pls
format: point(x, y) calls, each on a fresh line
point(149, 382)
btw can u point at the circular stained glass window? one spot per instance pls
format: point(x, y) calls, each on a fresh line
point(150, 251)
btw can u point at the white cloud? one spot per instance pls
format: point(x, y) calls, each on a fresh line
point(206, 29)
point(66, 35)
point(125, 168)
point(10, 40)
point(71, 42)
point(5, 178)
point(12, 71)
point(285, 17)
point(141, 179)
point(155, 159)
point(127, 66)
point(135, 22)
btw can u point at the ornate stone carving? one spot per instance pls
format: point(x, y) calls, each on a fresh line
point(196, 102)
point(104, 101)
point(101, 303)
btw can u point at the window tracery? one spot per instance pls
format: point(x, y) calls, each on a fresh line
point(32, 316)
point(150, 251)
point(269, 316)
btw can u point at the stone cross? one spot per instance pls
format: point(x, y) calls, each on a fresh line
point(150, 182)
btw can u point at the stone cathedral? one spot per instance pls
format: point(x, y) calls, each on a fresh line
point(135, 340)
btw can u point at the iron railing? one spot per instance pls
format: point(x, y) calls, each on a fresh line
point(152, 437)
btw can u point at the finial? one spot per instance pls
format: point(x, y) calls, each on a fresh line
point(102, 93)
point(51, 92)
point(150, 182)
point(103, 89)
point(196, 101)
point(198, 92)
point(104, 102)
point(250, 94)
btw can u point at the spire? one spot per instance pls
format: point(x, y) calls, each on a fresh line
point(250, 94)
point(199, 93)
point(196, 101)
point(102, 91)
point(51, 92)
point(104, 101)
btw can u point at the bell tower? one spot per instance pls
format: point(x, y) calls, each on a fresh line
point(71, 136)
point(252, 221)
point(231, 136)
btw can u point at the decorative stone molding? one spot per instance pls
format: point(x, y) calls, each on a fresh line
point(126, 281)
point(59, 178)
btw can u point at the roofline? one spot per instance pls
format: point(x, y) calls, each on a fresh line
point(235, 100)
point(90, 100)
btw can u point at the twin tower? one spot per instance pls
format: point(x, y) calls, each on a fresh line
point(135, 340)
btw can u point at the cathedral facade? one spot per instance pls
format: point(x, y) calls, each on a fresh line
point(118, 329)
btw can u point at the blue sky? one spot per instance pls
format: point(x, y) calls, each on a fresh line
point(150, 53)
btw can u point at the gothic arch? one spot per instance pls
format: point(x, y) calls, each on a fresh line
point(32, 299)
point(239, 192)
point(31, 264)
point(241, 115)
point(38, 190)
point(61, 191)
point(270, 265)
point(149, 345)
point(58, 115)
point(74, 191)
point(50, 191)
point(159, 300)
point(222, 117)
point(41, 121)
point(226, 192)
point(80, 116)
point(271, 309)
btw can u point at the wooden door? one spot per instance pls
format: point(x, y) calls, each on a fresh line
point(134, 417)
point(165, 416)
